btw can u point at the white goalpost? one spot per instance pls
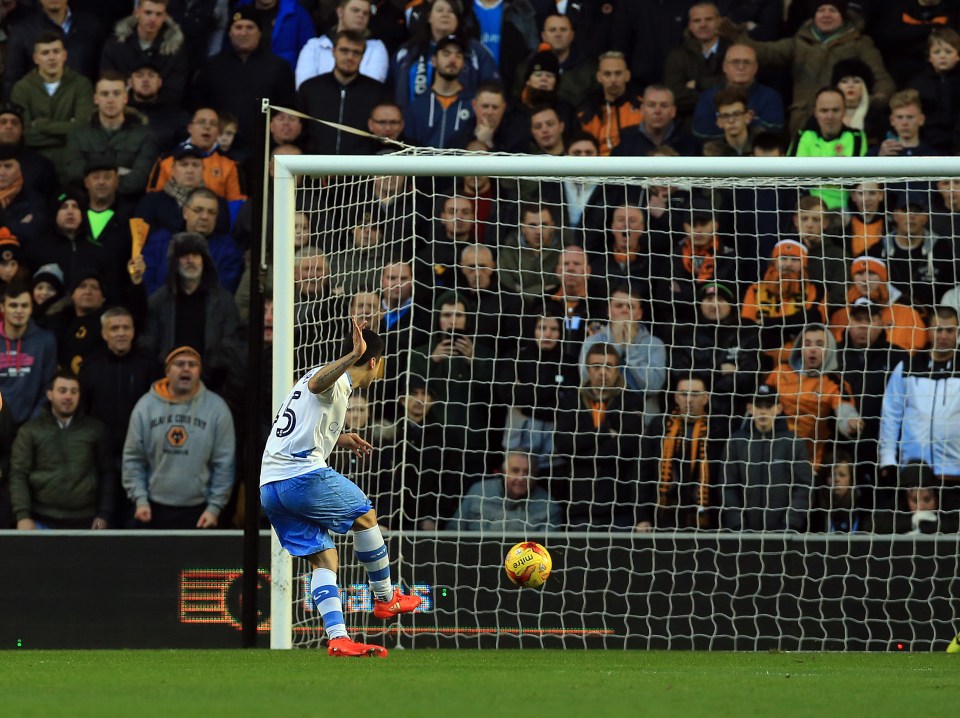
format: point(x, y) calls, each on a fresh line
point(645, 578)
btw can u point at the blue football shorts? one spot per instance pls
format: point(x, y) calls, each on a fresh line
point(303, 509)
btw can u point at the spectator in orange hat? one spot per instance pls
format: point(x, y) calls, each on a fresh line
point(11, 270)
point(905, 327)
point(784, 301)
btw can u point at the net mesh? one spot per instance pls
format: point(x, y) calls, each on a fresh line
point(612, 338)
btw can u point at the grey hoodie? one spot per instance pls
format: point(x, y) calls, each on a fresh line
point(179, 453)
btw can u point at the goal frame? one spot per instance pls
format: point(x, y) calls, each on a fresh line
point(288, 167)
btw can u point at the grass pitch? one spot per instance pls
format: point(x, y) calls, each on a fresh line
point(449, 683)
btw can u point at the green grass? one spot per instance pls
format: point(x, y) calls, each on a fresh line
point(450, 684)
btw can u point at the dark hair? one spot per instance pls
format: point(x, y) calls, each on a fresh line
point(691, 375)
point(543, 107)
point(769, 141)
point(581, 136)
point(917, 475)
point(351, 36)
point(628, 288)
point(945, 311)
point(605, 348)
point(493, 87)
point(386, 102)
point(65, 373)
point(48, 36)
point(731, 96)
point(374, 347)
point(533, 208)
point(15, 289)
point(111, 76)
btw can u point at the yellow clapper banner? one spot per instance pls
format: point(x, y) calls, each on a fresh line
point(138, 231)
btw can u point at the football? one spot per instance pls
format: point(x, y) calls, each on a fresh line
point(528, 564)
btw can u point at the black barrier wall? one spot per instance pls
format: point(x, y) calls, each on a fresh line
point(692, 591)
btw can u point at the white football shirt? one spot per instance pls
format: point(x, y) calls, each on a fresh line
point(306, 430)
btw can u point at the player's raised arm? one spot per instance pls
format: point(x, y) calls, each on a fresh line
point(327, 375)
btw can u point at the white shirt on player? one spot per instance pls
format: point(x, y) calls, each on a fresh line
point(306, 430)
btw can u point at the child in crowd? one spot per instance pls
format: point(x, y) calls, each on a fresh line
point(939, 89)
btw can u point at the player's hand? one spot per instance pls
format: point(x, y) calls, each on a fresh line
point(99, 523)
point(359, 345)
point(143, 514)
point(207, 520)
point(355, 443)
point(26, 525)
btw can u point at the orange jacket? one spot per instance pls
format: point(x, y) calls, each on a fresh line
point(220, 175)
point(810, 403)
point(605, 120)
point(905, 327)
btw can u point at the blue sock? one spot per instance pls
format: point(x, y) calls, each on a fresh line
point(372, 553)
point(326, 596)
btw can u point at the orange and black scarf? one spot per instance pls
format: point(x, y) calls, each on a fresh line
point(700, 261)
point(674, 434)
point(777, 297)
point(10, 193)
point(880, 296)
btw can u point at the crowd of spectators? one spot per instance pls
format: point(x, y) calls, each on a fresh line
point(561, 353)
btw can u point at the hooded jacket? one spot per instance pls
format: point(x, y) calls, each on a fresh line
point(413, 72)
point(606, 120)
point(464, 384)
point(179, 452)
point(813, 398)
point(644, 366)
point(123, 54)
point(27, 366)
point(221, 323)
point(485, 507)
point(920, 420)
point(767, 480)
point(429, 124)
point(61, 473)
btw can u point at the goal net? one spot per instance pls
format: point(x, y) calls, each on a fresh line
point(696, 381)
